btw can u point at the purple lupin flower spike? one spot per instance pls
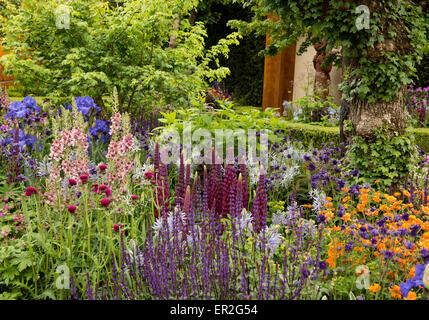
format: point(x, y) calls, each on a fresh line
point(239, 197)
point(245, 187)
point(228, 190)
point(205, 192)
point(198, 200)
point(180, 188)
point(212, 187)
point(156, 159)
point(187, 206)
point(219, 189)
point(165, 188)
point(194, 190)
point(260, 205)
point(188, 175)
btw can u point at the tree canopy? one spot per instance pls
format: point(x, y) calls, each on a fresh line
point(385, 53)
point(109, 44)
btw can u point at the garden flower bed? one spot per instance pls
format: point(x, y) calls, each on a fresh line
point(133, 172)
point(91, 199)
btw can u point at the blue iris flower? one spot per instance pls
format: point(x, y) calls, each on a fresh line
point(417, 281)
point(85, 104)
point(23, 139)
point(18, 109)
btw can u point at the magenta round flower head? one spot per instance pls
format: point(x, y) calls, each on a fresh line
point(134, 197)
point(102, 188)
point(116, 227)
point(148, 175)
point(102, 167)
point(108, 192)
point(84, 177)
point(72, 182)
point(30, 191)
point(72, 208)
point(104, 202)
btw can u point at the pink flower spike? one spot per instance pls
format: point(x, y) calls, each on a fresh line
point(104, 202)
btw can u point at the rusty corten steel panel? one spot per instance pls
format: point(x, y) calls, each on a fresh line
point(4, 79)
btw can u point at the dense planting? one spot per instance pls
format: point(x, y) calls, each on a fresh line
point(92, 196)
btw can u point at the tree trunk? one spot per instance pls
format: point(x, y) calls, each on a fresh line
point(173, 37)
point(367, 117)
point(193, 17)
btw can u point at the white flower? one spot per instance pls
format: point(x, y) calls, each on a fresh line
point(278, 218)
point(319, 200)
point(245, 222)
point(159, 223)
point(139, 170)
point(274, 238)
point(43, 167)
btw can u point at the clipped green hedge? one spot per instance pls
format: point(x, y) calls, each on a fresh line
point(317, 135)
point(311, 134)
point(422, 138)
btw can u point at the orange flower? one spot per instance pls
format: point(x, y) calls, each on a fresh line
point(346, 217)
point(425, 210)
point(376, 181)
point(375, 287)
point(361, 207)
point(346, 199)
point(376, 198)
point(391, 199)
point(406, 193)
point(411, 296)
point(396, 292)
point(383, 207)
point(412, 272)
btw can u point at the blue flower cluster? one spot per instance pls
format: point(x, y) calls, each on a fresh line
point(415, 282)
point(101, 130)
point(23, 139)
point(85, 104)
point(22, 109)
point(100, 126)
